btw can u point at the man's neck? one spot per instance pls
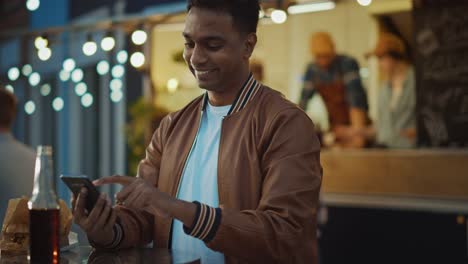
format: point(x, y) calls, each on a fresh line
point(228, 96)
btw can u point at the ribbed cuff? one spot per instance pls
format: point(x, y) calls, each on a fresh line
point(207, 220)
point(118, 237)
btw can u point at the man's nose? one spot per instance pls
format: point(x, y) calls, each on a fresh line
point(198, 56)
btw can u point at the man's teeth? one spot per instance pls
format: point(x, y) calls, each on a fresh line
point(203, 72)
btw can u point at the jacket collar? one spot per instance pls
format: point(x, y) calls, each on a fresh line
point(245, 95)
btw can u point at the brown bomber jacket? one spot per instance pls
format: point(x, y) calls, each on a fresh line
point(269, 177)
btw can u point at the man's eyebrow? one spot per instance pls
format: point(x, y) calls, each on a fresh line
point(206, 38)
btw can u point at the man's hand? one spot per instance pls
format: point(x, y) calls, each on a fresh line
point(99, 223)
point(139, 194)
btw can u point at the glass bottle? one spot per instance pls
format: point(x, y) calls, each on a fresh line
point(44, 226)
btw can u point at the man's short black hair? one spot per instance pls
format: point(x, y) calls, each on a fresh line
point(7, 107)
point(244, 12)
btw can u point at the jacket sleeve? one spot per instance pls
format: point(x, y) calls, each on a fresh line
point(138, 225)
point(284, 223)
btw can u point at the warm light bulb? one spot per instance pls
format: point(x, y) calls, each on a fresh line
point(116, 84)
point(34, 79)
point(89, 48)
point(33, 5)
point(30, 107)
point(137, 59)
point(45, 89)
point(27, 70)
point(41, 42)
point(118, 71)
point(122, 56)
point(116, 96)
point(58, 104)
point(44, 54)
point(107, 43)
point(139, 37)
point(13, 74)
point(279, 16)
point(87, 100)
point(102, 67)
point(364, 2)
point(69, 65)
point(77, 75)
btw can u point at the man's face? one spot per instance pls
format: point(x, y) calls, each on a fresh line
point(386, 64)
point(324, 60)
point(215, 51)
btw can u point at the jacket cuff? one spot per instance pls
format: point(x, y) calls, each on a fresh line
point(206, 223)
point(118, 237)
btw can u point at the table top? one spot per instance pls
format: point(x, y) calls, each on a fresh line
point(86, 254)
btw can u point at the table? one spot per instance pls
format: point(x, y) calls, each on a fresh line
point(86, 254)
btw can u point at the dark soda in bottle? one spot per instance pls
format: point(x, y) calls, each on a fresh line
point(44, 219)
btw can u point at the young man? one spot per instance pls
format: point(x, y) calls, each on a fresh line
point(247, 157)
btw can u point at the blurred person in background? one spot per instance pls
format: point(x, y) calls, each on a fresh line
point(396, 118)
point(16, 160)
point(396, 122)
point(336, 78)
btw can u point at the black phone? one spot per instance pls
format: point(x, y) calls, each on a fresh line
point(75, 183)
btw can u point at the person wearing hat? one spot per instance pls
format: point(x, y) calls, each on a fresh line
point(396, 121)
point(336, 78)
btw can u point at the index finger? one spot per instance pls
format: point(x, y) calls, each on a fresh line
point(122, 180)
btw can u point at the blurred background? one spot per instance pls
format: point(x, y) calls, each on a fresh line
point(93, 78)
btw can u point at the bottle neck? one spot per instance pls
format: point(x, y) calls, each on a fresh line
point(44, 195)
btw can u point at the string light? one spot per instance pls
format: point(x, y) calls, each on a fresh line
point(364, 2)
point(87, 100)
point(116, 96)
point(118, 71)
point(279, 16)
point(41, 42)
point(139, 37)
point(33, 5)
point(102, 67)
point(64, 75)
point(137, 59)
point(107, 43)
point(58, 104)
point(10, 88)
point(77, 75)
point(45, 89)
point(90, 47)
point(27, 70)
point(122, 56)
point(44, 54)
point(34, 79)
point(116, 84)
point(81, 88)
point(69, 65)
point(13, 74)
point(29, 107)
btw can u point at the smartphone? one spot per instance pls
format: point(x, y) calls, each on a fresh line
point(75, 183)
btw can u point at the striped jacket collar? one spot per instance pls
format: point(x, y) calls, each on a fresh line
point(245, 95)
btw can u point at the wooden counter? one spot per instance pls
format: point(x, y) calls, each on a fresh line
point(433, 180)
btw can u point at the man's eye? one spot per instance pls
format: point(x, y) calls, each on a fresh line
point(215, 47)
point(189, 45)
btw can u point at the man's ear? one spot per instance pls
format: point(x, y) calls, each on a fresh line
point(250, 43)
